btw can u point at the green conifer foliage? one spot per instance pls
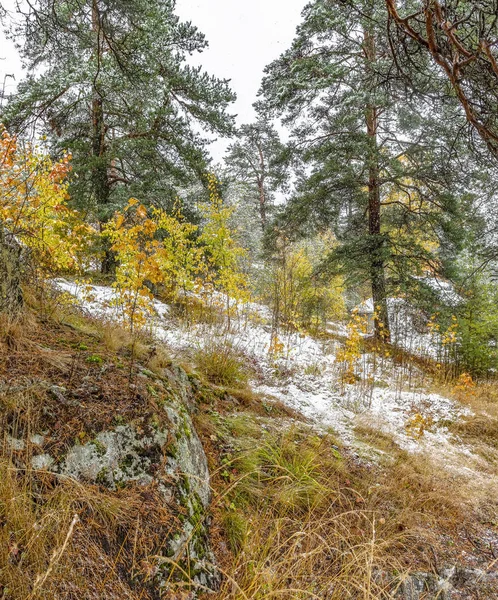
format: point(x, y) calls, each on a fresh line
point(110, 81)
point(376, 156)
point(257, 160)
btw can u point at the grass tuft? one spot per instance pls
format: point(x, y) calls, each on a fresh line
point(221, 365)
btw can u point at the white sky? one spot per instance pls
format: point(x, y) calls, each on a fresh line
point(243, 38)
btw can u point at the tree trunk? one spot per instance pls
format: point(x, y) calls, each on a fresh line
point(262, 205)
point(11, 299)
point(261, 189)
point(100, 173)
point(376, 239)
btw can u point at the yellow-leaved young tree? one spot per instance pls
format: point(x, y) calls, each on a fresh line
point(222, 251)
point(33, 206)
point(182, 262)
point(301, 297)
point(132, 234)
point(154, 248)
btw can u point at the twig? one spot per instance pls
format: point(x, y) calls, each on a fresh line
point(56, 556)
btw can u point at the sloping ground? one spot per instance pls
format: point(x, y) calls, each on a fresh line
point(399, 477)
point(104, 484)
point(305, 375)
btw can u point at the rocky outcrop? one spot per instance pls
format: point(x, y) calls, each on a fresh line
point(164, 451)
point(455, 583)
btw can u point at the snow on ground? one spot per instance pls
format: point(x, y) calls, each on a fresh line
point(305, 376)
point(408, 328)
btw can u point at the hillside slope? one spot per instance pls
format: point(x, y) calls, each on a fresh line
point(105, 491)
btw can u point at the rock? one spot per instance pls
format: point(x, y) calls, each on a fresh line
point(11, 299)
point(59, 393)
point(171, 456)
point(454, 583)
point(471, 583)
point(420, 586)
point(115, 457)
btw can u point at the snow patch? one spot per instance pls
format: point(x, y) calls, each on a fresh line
point(304, 374)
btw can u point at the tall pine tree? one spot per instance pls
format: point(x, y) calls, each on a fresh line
point(376, 160)
point(109, 81)
point(258, 161)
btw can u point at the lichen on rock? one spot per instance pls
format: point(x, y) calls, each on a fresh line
point(164, 450)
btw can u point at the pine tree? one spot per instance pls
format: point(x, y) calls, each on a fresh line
point(258, 160)
point(109, 81)
point(461, 37)
point(363, 136)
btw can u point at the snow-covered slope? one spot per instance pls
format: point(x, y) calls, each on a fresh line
point(305, 376)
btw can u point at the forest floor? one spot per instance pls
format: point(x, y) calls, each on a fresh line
point(394, 474)
point(398, 398)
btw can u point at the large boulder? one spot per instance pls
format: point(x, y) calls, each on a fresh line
point(166, 453)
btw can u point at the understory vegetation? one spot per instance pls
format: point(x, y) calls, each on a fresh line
point(272, 377)
point(294, 511)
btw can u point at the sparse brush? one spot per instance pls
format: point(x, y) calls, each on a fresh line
point(222, 365)
point(57, 534)
point(14, 329)
point(159, 360)
point(296, 530)
point(115, 337)
point(314, 370)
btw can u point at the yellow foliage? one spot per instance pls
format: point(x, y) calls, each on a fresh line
point(132, 235)
point(350, 354)
point(180, 258)
point(33, 206)
point(301, 299)
point(450, 336)
point(465, 384)
point(276, 348)
point(155, 248)
point(222, 252)
point(418, 424)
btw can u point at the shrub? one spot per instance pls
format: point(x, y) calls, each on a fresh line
point(33, 206)
point(301, 297)
point(220, 364)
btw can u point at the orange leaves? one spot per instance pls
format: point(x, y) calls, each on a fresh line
point(33, 205)
point(465, 386)
point(141, 212)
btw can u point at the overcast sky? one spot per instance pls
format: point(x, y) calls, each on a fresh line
point(243, 38)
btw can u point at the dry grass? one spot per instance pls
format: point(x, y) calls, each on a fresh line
point(302, 519)
point(295, 515)
point(297, 528)
point(69, 379)
point(222, 365)
point(483, 398)
point(61, 539)
point(477, 429)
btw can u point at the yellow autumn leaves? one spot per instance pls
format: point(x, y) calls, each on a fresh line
point(154, 248)
point(151, 247)
point(33, 205)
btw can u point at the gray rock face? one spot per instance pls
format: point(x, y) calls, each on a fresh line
point(420, 586)
point(455, 583)
point(171, 456)
point(10, 273)
point(115, 457)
